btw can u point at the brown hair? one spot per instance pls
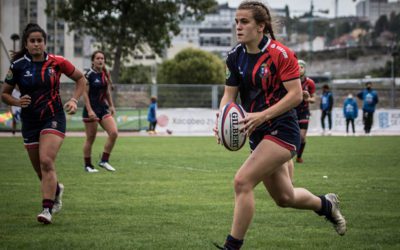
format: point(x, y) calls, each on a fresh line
point(106, 72)
point(261, 14)
point(30, 28)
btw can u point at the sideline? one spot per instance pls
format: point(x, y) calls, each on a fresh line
point(163, 134)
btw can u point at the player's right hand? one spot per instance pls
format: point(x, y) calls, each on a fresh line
point(71, 107)
point(92, 115)
point(215, 129)
point(24, 101)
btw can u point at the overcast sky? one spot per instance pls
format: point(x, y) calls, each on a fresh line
point(298, 7)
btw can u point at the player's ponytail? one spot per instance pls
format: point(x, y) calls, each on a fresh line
point(261, 14)
point(30, 28)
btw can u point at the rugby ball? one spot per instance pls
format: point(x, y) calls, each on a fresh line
point(229, 127)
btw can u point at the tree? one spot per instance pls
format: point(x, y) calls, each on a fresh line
point(121, 26)
point(192, 66)
point(381, 25)
point(139, 74)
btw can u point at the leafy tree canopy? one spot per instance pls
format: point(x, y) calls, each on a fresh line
point(139, 74)
point(120, 26)
point(192, 66)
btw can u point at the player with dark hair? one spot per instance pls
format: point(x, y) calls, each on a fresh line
point(303, 110)
point(99, 108)
point(266, 74)
point(37, 74)
point(326, 106)
point(370, 99)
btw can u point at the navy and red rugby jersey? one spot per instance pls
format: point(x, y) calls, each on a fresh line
point(309, 86)
point(41, 81)
point(98, 85)
point(260, 76)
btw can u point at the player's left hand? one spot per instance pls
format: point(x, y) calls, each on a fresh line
point(112, 110)
point(306, 95)
point(251, 122)
point(71, 107)
point(215, 129)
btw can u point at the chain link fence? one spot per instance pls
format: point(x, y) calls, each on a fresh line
point(132, 100)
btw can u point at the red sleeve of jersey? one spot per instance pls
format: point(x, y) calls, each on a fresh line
point(288, 67)
point(311, 86)
point(66, 67)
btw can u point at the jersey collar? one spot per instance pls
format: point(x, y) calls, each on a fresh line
point(29, 57)
point(263, 45)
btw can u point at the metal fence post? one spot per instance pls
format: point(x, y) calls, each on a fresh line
point(214, 97)
point(154, 90)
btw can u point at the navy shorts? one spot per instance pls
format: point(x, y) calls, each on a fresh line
point(101, 112)
point(31, 130)
point(285, 132)
point(303, 119)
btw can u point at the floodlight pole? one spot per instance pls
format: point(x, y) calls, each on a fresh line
point(393, 74)
point(14, 37)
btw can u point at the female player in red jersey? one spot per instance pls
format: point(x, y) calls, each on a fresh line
point(99, 108)
point(37, 74)
point(303, 109)
point(266, 74)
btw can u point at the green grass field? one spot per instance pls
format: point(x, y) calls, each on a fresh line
point(176, 193)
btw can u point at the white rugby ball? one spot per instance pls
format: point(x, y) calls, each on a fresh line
point(229, 127)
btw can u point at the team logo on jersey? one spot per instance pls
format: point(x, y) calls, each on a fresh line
point(263, 70)
point(9, 75)
point(28, 74)
point(227, 72)
point(51, 71)
point(54, 124)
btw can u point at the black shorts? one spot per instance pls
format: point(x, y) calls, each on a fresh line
point(31, 130)
point(303, 119)
point(285, 133)
point(101, 112)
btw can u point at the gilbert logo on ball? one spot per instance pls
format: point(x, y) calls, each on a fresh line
point(229, 127)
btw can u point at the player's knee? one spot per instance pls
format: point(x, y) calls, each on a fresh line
point(241, 185)
point(284, 200)
point(113, 135)
point(46, 164)
point(90, 138)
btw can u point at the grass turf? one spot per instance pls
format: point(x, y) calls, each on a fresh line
point(176, 193)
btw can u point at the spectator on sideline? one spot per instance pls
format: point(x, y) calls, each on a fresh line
point(326, 108)
point(266, 74)
point(350, 112)
point(370, 99)
point(152, 115)
point(37, 74)
point(99, 109)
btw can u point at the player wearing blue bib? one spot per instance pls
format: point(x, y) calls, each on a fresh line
point(37, 74)
point(266, 75)
point(370, 99)
point(326, 106)
point(99, 108)
point(350, 112)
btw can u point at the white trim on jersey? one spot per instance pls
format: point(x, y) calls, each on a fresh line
point(266, 45)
